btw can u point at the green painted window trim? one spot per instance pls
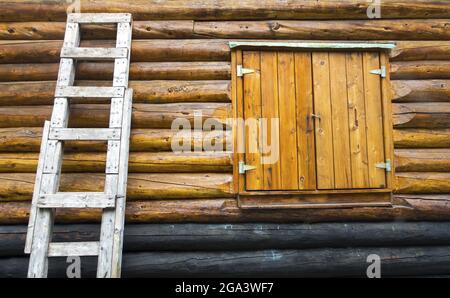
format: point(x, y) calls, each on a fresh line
point(313, 45)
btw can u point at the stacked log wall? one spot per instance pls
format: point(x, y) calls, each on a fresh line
point(181, 63)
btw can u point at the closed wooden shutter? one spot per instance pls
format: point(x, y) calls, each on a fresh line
point(330, 129)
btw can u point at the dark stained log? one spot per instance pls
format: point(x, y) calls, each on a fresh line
point(425, 50)
point(421, 90)
point(421, 115)
point(160, 91)
point(140, 186)
point(407, 207)
point(104, 71)
point(139, 162)
point(414, 70)
point(322, 262)
point(422, 160)
point(28, 139)
point(252, 236)
point(422, 138)
point(422, 182)
point(361, 29)
point(156, 50)
point(436, 29)
point(96, 115)
point(23, 10)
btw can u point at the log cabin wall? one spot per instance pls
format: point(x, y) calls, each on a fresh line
point(181, 63)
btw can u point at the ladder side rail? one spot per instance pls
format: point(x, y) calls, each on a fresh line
point(107, 260)
point(38, 265)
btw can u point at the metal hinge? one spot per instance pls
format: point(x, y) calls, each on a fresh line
point(242, 71)
point(244, 168)
point(385, 165)
point(381, 71)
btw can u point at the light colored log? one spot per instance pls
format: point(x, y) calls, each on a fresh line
point(139, 162)
point(28, 139)
point(361, 29)
point(104, 71)
point(364, 29)
point(26, 10)
point(69, 134)
point(419, 182)
point(424, 50)
point(96, 115)
point(422, 160)
point(411, 208)
point(97, 92)
point(421, 90)
point(100, 18)
point(421, 115)
point(94, 53)
point(41, 93)
point(422, 138)
point(414, 70)
point(140, 186)
point(156, 50)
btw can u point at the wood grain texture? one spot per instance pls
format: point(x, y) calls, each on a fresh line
point(139, 162)
point(422, 160)
point(420, 70)
point(421, 90)
point(140, 186)
point(155, 91)
point(96, 115)
point(422, 138)
point(28, 139)
point(25, 10)
point(104, 71)
point(408, 207)
point(421, 115)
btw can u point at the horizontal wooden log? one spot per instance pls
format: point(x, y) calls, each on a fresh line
point(140, 186)
point(252, 236)
point(323, 262)
point(20, 10)
point(419, 70)
point(424, 50)
point(139, 162)
point(361, 29)
point(97, 115)
point(422, 182)
point(28, 139)
point(161, 91)
point(422, 138)
point(421, 115)
point(166, 50)
point(104, 71)
point(422, 160)
point(409, 207)
point(423, 29)
point(142, 50)
point(421, 90)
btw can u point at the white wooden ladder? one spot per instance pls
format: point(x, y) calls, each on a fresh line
point(46, 196)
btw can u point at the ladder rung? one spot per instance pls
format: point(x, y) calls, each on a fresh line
point(99, 92)
point(84, 134)
point(99, 18)
point(66, 249)
point(76, 200)
point(94, 53)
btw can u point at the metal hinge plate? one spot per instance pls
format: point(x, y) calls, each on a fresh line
point(385, 165)
point(381, 71)
point(244, 168)
point(242, 71)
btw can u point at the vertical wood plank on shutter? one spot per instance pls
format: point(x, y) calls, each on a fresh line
point(323, 125)
point(269, 97)
point(252, 113)
point(288, 123)
point(374, 116)
point(305, 123)
point(339, 110)
point(357, 120)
